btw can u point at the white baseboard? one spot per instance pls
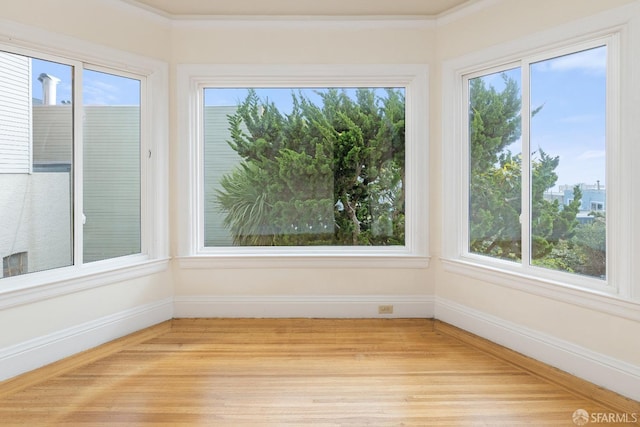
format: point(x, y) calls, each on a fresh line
point(37, 352)
point(321, 306)
point(602, 370)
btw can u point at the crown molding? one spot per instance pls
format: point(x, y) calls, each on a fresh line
point(303, 21)
point(142, 10)
point(306, 21)
point(469, 8)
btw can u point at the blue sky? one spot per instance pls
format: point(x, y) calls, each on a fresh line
point(98, 88)
point(280, 96)
point(571, 124)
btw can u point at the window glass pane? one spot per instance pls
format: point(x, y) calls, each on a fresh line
point(568, 188)
point(303, 167)
point(111, 154)
point(495, 165)
point(36, 140)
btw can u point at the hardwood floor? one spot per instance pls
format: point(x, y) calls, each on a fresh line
point(299, 372)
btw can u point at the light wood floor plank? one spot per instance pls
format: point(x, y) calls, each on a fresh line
point(294, 372)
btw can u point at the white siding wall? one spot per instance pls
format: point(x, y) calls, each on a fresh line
point(52, 134)
point(220, 159)
point(36, 218)
point(111, 181)
point(15, 113)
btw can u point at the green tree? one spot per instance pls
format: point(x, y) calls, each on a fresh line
point(495, 173)
point(329, 174)
point(591, 240)
point(496, 181)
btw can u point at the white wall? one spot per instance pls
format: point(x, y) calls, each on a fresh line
point(108, 23)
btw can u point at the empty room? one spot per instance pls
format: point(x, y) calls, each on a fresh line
point(331, 213)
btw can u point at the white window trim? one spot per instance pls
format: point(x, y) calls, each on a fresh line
point(154, 258)
point(622, 296)
point(190, 81)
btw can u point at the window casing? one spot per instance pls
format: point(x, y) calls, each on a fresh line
point(523, 275)
point(193, 81)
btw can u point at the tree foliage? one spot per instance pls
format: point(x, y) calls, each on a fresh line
point(495, 173)
point(329, 174)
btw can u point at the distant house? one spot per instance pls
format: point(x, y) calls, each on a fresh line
point(594, 199)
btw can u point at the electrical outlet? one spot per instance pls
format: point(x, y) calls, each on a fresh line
point(385, 309)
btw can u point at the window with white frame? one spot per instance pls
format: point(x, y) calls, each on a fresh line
point(71, 170)
point(304, 167)
point(538, 151)
point(333, 159)
point(513, 214)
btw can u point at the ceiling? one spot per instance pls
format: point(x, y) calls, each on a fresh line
point(195, 8)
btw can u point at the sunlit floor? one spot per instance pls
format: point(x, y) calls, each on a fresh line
point(297, 372)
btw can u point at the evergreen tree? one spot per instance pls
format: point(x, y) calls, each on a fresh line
point(495, 173)
point(496, 182)
point(329, 174)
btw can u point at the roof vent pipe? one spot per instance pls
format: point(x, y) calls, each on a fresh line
point(49, 84)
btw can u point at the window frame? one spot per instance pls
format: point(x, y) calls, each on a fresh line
point(153, 257)
point(191, 81)
point(612, 141)
point(612, 296)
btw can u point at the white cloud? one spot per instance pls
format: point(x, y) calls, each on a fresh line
point(593, 60)
point(96, 92)
point(582, 118)
point(592, 154)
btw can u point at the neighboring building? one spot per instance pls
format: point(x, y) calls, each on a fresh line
point(219, 161)
point(35, 206)
point(594, 199)
point(15, 110)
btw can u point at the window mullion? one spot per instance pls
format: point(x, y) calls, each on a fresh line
point(525, 213)
point(146, 168)
point(77, 174)
point(198, 124)
point(465, 166)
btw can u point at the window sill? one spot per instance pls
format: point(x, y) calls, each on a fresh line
point(275, 260)
point(42, 285)
point(605, 302)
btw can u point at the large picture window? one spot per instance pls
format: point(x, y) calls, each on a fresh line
point(304, 162)
point(304, 167)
